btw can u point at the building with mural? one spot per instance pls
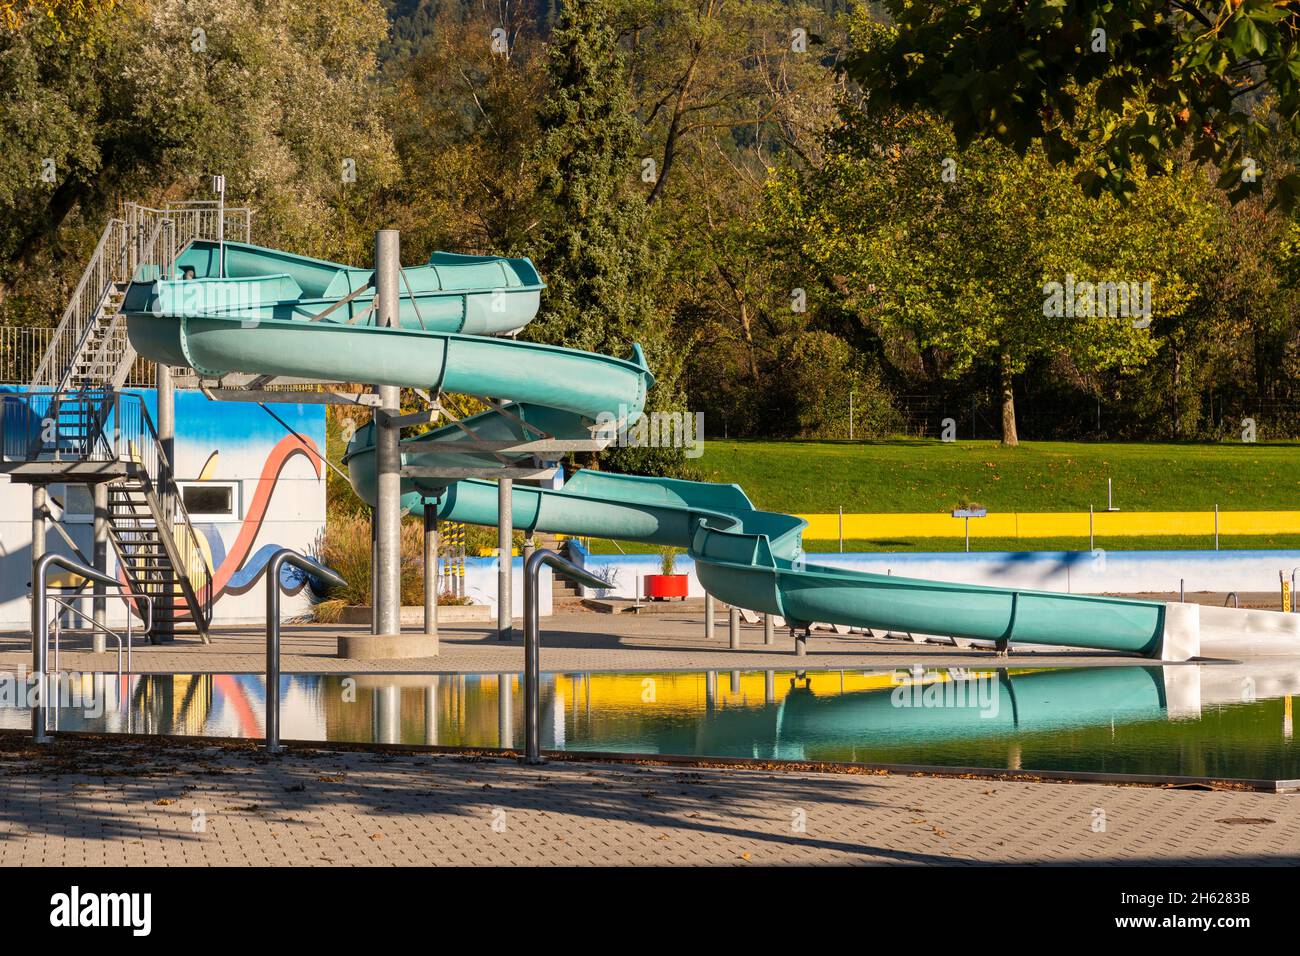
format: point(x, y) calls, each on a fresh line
point(250, 483)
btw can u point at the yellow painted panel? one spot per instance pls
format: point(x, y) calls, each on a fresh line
point(826, 527)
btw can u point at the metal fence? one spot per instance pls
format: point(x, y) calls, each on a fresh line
point(22, 348)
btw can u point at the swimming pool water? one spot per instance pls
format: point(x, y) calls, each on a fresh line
point(1226, 721)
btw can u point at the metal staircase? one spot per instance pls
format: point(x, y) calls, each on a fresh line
point(74, 425)
point(90, 348)
point(100, 435)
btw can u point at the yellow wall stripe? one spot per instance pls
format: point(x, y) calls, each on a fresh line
point(1047, 524)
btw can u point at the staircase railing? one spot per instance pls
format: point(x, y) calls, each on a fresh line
point(107, 264)
point(144, 236)
point(137, 441)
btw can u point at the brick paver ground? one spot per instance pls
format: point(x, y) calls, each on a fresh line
point(571, 641)
point(87, 803)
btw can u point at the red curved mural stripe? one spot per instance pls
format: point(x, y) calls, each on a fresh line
point(249, 725)
point(286, 448)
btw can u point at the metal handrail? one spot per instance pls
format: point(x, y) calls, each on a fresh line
point(41, 627)
point(316, 569)
point(74, 315)
point(127, 598)
point(533, 640)
point(123, 246)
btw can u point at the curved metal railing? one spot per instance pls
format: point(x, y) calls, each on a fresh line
point(533, 638)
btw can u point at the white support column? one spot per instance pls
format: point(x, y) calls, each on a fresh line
point(505, 559)
point(431, 575)
point(388, 459)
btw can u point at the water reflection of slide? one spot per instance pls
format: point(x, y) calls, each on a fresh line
point(918, 712)
point(936, 709)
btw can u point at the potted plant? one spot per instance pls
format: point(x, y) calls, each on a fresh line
point(666, 584)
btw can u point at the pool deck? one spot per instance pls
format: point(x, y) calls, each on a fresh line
point(572, 641)
point(93, 802)
point(87, 802)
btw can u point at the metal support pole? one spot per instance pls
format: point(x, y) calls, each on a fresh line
point(99, 554)
point(166, 435)
point(166, 394)
point(708, 617)
point(505, 558)
point(374, 568)
point(388, 458)
point(769, 687)
point(1216, 527)
point(431, 576)
point(733, 626)
point(841, 507)
point(39, 496)
point(769, 631)
point(801, 643)
point(278, 560)
point(1091, 537)
point(533, 639)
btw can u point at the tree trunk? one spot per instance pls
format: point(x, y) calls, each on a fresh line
point(1177, 398)
point(1009, 436)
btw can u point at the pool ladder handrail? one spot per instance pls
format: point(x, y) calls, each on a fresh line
point(316, 569)
point(127, 598)
point(41, 628)
point(532, 638)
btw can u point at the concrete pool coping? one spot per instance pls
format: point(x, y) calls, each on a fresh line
point(571, 641)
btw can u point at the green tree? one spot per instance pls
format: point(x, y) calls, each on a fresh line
point(954, 250)
point(593, 247)
point(1165, 74)
point(145, 100)
point(592, 244)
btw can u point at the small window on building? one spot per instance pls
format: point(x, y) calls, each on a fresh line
point(211, 500)
point(77, 500)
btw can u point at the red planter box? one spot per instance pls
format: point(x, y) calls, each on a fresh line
point(660, 587)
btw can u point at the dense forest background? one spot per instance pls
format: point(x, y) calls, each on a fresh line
point(698, 176)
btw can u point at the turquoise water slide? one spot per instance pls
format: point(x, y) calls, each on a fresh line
point(273, 313)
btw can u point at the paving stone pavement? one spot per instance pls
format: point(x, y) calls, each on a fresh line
point(91, 803)
point(571, 641)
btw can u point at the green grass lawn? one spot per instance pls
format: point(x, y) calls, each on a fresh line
point(930, 476)
point(933, 476)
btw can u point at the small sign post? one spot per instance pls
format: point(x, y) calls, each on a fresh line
point(219, 187)
point(969, 513)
